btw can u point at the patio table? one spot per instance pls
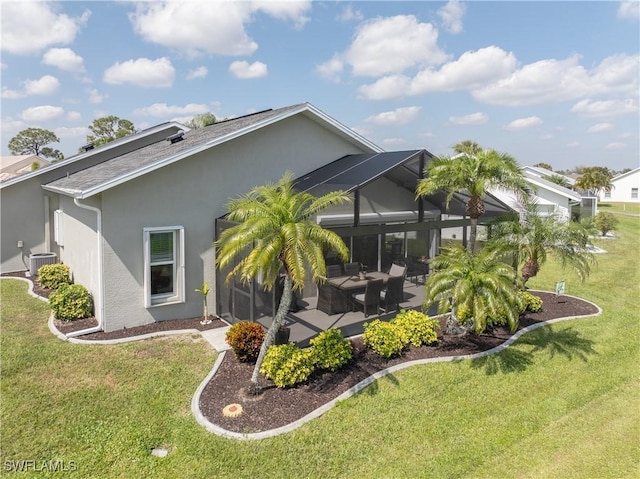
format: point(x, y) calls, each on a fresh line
point(344, 287)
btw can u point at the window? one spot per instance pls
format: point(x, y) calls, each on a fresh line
point(163, 265)
point(607, 193)
point(634, 193)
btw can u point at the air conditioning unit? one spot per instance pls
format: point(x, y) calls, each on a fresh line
point(39, 259)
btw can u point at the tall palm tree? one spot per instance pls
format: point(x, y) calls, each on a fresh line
point(596, 179)
point(530, 239)
point(481, 285)
point(475, 174)
point(276, 235)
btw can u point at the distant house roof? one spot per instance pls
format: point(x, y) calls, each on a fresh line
point(624, 175)
point(99, 149)
point(16, 165)
point(537, 181)
point(121, 169)
point(542, 172)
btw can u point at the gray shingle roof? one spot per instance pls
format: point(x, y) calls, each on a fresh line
point(146, 157)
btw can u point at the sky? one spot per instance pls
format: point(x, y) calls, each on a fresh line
point(546, 81)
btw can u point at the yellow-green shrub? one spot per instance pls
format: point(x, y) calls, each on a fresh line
point(529, 302)
point(70, 302)
point(330, 350)
point(287, 364)
point(384, 338)
point(52, 276)
point(416, 328)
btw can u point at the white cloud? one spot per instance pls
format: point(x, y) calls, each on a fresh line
point(37, 114)
point(74, 116)
point(472, 70)
point(548, 81)
point(95, 97)
point(523, 123)
point(46, 85)
point(199, 72)
point(573, 144)
point(349, 14)
point(331, 69)
point(162, 110)
point(3, 66)
point(388, 45)
point(393, 141)
point(72, 132)
point(29, 27)
point(142, 72)
point(616, 145)
point(10, 126)
point(244, 70)
point(451, 15)
point(472, 119)
point(599, 127)
point(629, 9)
point(399, 116)
point(392, 45)
point(546, 136)
point(64, 59)
point(605, 108)
point(216, 28)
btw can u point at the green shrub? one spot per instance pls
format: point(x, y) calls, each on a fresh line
point(330, 350)
point(529, 302)
point(416, 328)
point(287, 364)
point(52, 276)
point(384, 338)
point(605, 222)
point(245, 338)
point(70, 302)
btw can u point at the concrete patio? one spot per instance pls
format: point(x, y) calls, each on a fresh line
point(309, 321)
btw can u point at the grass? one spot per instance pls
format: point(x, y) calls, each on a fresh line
point(633, 208)
point(562, 402)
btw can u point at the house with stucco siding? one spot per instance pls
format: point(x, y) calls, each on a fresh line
point(625, 188)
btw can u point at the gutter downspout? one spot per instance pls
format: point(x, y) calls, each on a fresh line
point(100, 298)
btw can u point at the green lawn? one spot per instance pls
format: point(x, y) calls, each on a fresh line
point(563, 402)
point(633, 208)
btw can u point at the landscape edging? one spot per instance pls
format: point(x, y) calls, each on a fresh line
point(195, 402)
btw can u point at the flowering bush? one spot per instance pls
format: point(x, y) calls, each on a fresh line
point(245, 338)
point(415, 328)
point(287, 364)
point(330, 350)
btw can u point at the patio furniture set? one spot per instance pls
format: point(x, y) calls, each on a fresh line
point(347, 288)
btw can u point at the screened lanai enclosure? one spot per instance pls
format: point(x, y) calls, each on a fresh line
point(383, 224)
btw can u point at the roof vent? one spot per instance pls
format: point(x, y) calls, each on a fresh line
point(176, 137)
point(88, 146)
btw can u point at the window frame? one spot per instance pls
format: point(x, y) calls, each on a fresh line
point(634, 193)
point(178, 295)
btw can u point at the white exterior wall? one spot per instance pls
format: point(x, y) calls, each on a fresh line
point(548, 202)
point(80, 244)
point(192, 193)
point(622, 186)
point(23, 218)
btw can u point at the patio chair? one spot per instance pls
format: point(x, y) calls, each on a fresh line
point(334, 270)
point(351, 269)
point(397, 270)
point(331, 300)
point(416, 268)
point(393, 294)
point(371, 296)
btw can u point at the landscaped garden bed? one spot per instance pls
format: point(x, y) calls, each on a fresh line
point(276, 407)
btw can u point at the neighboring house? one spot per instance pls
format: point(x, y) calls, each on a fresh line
point(588, 205)
point(549, 198)
point(625, 188)
point(136, 219)
point(11, 166)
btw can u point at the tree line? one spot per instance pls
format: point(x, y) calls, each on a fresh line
point(35, 141)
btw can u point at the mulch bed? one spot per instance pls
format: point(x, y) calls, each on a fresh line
point(276, 407)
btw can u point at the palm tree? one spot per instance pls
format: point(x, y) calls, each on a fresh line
point(467, 146)
point(559, 180)
point(476, 174)
point(276, 235)
point(529, 240)
point(478, 287)
point(596, 179)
